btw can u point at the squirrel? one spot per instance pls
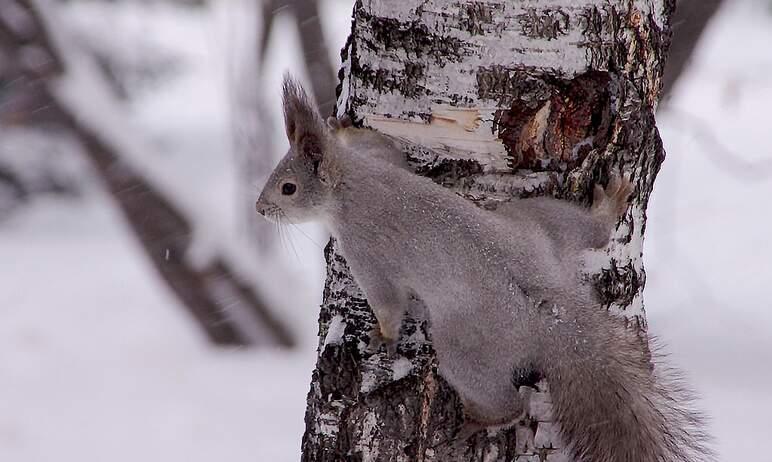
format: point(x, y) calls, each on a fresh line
point(502, 289)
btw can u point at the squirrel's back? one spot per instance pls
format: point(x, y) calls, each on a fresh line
point(402, 216)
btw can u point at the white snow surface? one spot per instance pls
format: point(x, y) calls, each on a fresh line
point(335, 331)
point(100, 363)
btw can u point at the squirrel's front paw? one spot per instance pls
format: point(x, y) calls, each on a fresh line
point(612, 200)
point(377, 339)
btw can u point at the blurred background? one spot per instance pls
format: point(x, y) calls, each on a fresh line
point(147, 314)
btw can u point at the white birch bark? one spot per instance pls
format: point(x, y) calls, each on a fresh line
point(496, 99)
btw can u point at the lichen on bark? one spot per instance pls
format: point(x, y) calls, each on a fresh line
point(495, 100)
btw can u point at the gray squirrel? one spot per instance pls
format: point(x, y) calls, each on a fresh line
point(502, 290)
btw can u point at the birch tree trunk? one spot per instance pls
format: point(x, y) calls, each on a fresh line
point(495, 99)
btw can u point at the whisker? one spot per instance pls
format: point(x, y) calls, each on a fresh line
point(278, 231)
point(299, 229)
point(282, 233)
point(289, 238)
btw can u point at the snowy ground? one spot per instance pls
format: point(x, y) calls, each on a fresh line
point(98, 363)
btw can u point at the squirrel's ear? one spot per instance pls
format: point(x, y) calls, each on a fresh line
point(304, 126)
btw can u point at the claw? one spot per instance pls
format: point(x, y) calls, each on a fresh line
point(598, 195)
point(391, 348)
point(625, 189)
point(333, 123)
point(614, 183)
point(377, 340)
point(338, 123)
point(611, 201)
point(622, 194)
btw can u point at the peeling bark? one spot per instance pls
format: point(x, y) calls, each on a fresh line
point(495, 100)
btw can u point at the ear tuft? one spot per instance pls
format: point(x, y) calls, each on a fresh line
point(339, 123)
point(304, 126)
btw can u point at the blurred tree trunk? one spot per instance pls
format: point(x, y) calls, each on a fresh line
point(23, 97)
point(495, 100)
point(689, 22)
point(312, 43)
point(221, 299)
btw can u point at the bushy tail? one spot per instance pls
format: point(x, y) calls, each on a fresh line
point(616, 403)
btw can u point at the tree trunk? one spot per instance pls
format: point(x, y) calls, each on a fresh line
point(495, 100)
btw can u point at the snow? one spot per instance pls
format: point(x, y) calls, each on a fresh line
point(335, 331)
point(400, 368)
point(99, 363)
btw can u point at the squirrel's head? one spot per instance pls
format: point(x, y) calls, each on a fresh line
point(299, 187)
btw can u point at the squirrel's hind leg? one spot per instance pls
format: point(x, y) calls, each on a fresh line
point(489, 402)
point(477, 419)
point(389, 306)
point(386, 332)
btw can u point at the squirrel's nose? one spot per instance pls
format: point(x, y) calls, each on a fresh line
point(259, 208)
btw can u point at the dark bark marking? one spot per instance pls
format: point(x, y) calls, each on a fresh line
point(477, 18)
point(657, 42)
point(414, 38)
point(597, 23)
point(337, 371)
point(600, 27)
point(448, 172)
point(407, 82)
point(544, 24)
point(503, 83)
point(618, 284)
point(526, 376)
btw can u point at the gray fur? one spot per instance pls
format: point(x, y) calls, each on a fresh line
point(369, 141)
point(502, 291)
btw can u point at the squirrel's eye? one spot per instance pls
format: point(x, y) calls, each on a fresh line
point(288, 189)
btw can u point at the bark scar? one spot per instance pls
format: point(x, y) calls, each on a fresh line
point(556, 132)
